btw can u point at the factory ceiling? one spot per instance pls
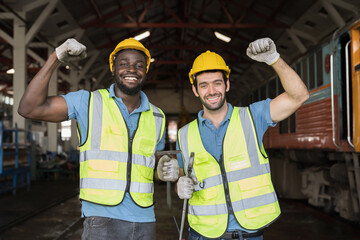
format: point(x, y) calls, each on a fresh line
point(179, 32)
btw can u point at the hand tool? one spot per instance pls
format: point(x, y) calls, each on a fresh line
point(189, 171)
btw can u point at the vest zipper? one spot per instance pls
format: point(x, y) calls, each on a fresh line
point(129, 162)
point(226, 185)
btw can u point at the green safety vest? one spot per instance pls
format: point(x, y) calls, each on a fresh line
point(240, 183)
point(111, 161)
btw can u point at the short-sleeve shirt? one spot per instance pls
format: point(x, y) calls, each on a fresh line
point(212, 137)
point(77, 103)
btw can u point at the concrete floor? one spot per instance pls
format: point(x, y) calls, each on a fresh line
point(298, 220)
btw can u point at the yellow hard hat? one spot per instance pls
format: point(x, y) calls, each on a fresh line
point(208, 61)
point(129, 43)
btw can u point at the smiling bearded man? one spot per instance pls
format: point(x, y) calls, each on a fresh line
point(119, 132)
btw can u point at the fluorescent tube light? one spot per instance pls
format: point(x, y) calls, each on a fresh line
point(222, 37)
point(142, 35)
point(10, 71)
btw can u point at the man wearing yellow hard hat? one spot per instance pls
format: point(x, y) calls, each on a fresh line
point(229, 189)
point(119, 132)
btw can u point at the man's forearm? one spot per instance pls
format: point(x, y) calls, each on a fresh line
point(291, 82)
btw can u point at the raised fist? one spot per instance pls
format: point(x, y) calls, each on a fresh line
point(70, 50)
point(263, 50)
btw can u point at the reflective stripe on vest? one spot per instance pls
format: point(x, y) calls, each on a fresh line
point(250, 193)
point(104, 157)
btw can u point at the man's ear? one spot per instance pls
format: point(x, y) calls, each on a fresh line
point(194, 90)
point(227, 85)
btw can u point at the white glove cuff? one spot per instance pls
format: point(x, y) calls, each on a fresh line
point(272, 59)
point(60, 53)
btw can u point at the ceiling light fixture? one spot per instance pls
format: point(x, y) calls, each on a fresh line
point(142, 35)
point(222, 37)
point(152, 60)
point(10, 71)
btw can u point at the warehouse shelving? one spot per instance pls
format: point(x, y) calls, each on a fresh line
point(13, 172)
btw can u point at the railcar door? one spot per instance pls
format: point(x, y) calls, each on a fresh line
point(355, 80)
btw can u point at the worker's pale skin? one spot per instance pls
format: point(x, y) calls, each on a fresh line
point(211, 91)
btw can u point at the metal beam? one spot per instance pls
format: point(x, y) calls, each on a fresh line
point(334, 14)
point(171, 12)
point(40, 20)
point(97, 10)
point(6, 37)
point(175, 62)
point(185, 25)
point(100, 78)
point(93, 56)
point(33, 5)
point(242, 7)
point(345, 5)
point(76, 33)
point(194, 47)
point(7, 15)
point(143, 13)
point(296, 41)
point(304, 35)
point(114, 13)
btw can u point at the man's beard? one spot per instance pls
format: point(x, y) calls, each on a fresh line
point(213, 108)
point(127, 90)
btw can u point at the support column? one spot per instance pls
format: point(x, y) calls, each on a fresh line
point(52, 128)
point(20, 78)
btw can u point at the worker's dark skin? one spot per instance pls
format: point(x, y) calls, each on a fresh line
point(129, 69)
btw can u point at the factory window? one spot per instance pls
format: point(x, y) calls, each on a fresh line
point(272, 89)
point(245, 101)
point(283, 126)
point(280, 87)
point(292, 120)
point(305, 72)
point(319, 68)
point(312, 72)
point(251, 98)
point(298, 69)
point(256, 95)
point(288, 125)
point(66, 130)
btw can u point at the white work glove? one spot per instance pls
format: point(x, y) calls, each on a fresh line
point(185, 187)
point(168, 169)
point(263, 50)
point(70, 50)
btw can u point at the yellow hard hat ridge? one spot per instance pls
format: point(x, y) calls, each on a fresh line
point(208, 61)
point(129, 43)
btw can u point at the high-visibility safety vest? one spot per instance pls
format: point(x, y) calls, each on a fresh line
point(240, 183)
point(111, 161)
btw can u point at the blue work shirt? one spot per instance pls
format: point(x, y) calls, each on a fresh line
point(77, 103)
point(212, 138)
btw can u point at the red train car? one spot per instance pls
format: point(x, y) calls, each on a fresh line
point(315, 152)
